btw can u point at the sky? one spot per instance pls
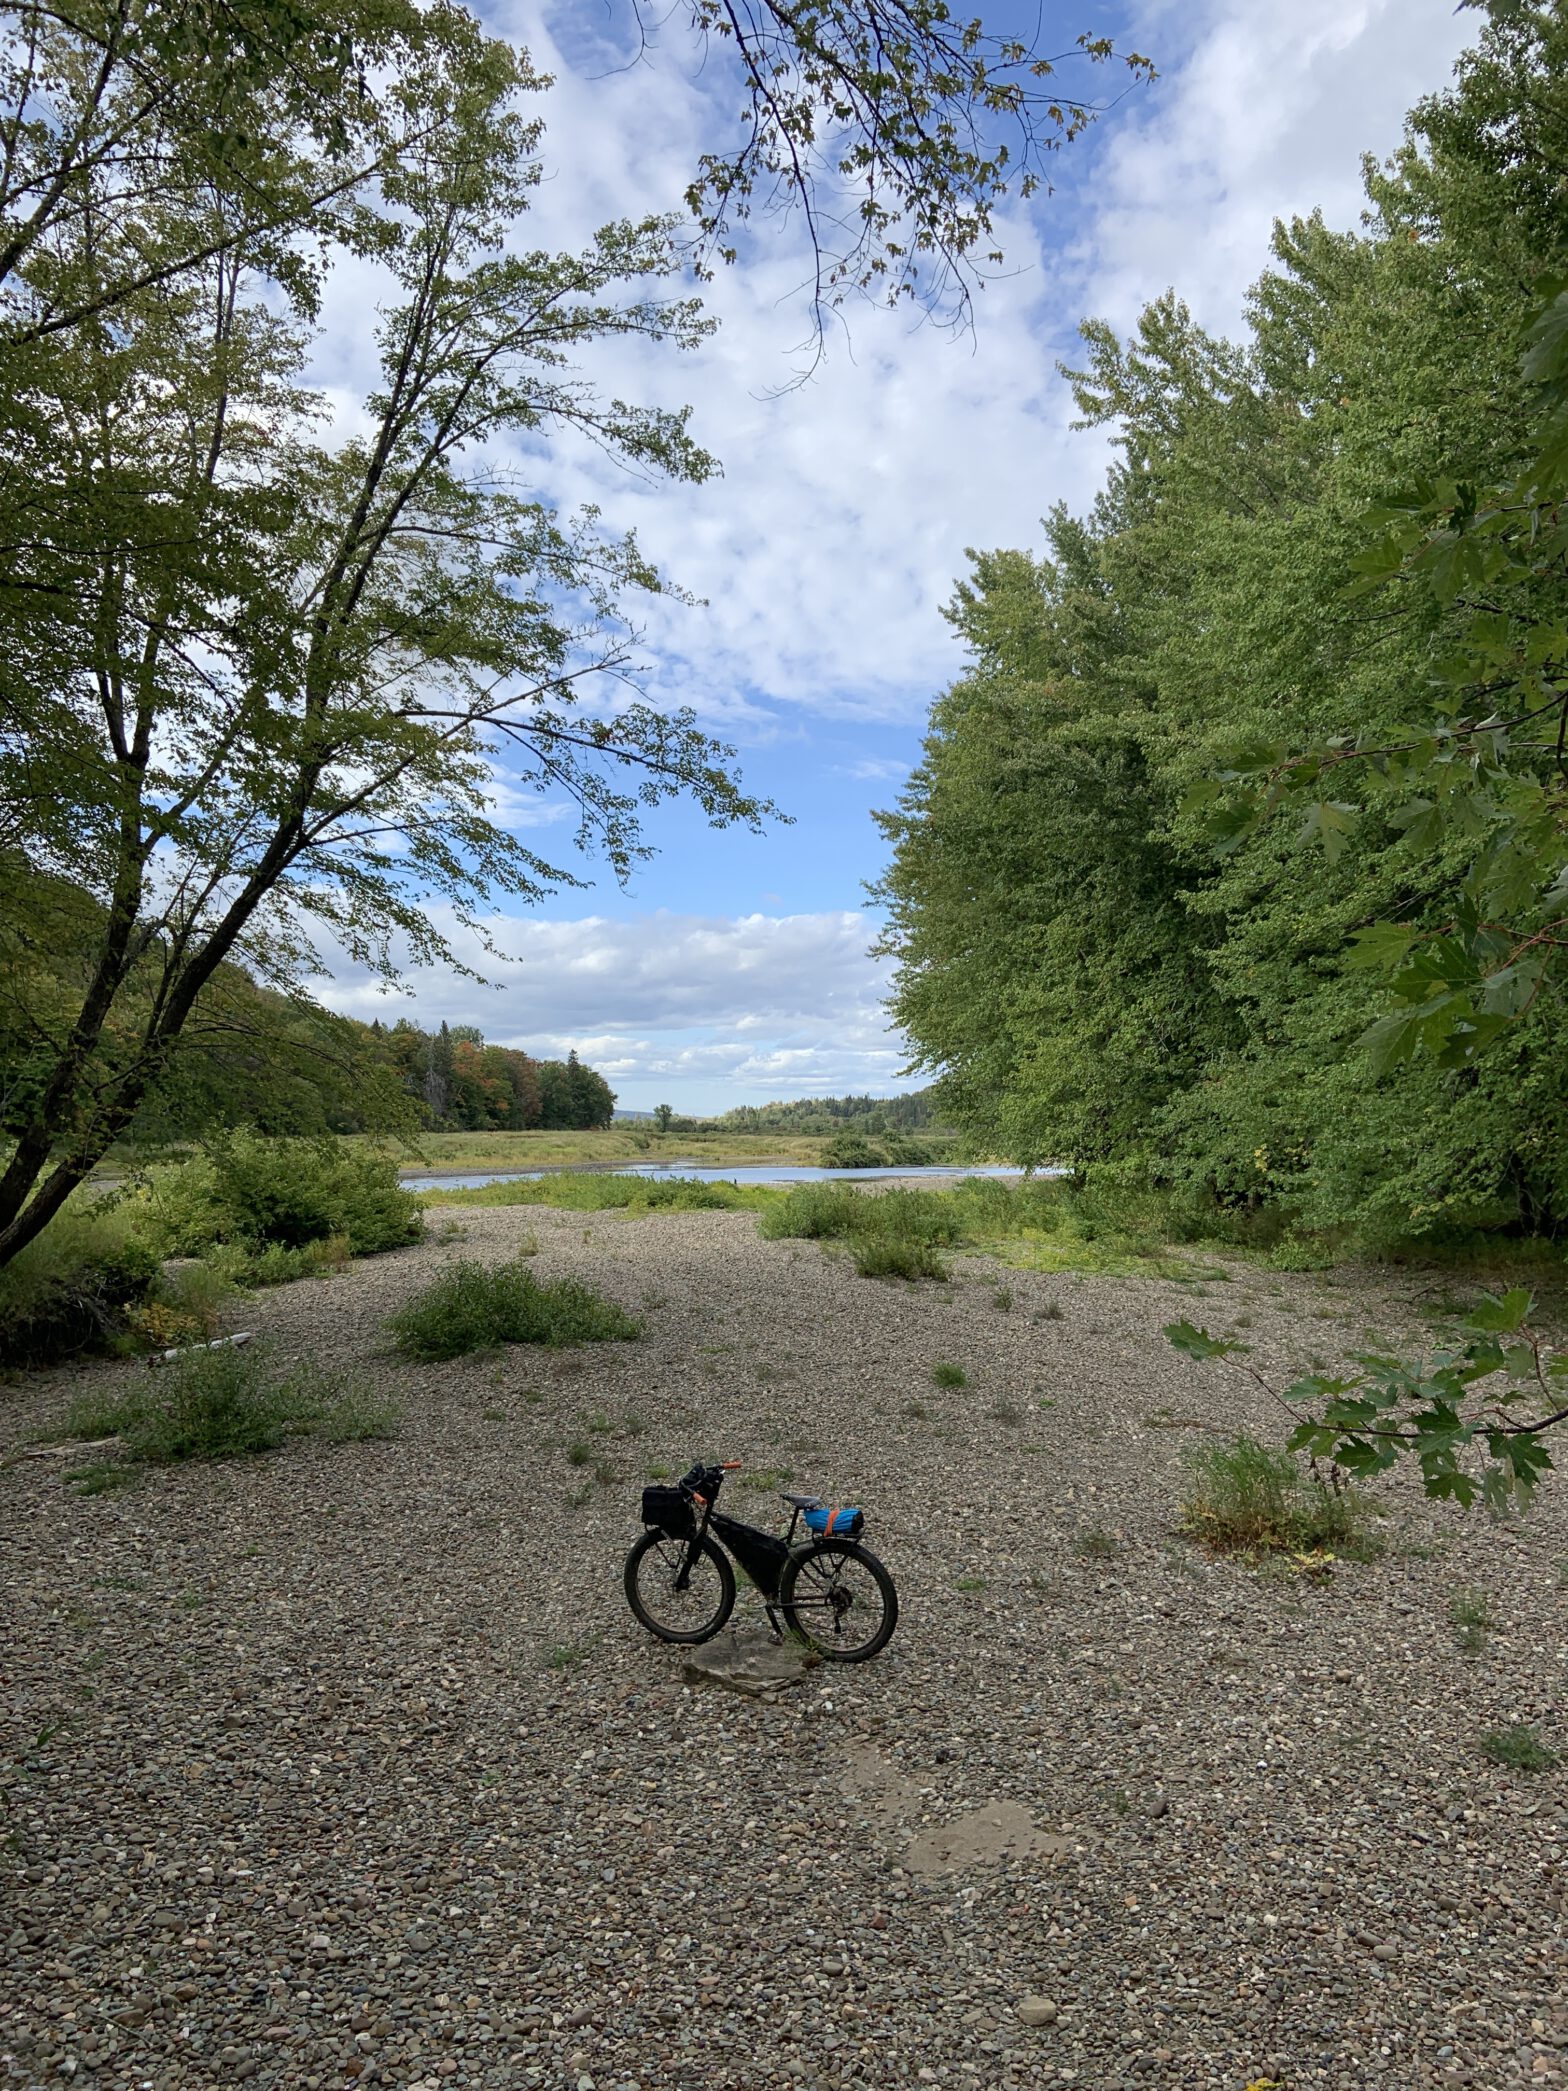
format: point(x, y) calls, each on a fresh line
point(736, 968)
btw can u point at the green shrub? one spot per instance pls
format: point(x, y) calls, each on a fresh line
point(474, 1306)
point(852, 1151)
point(885, 1256)
point(1249, 1498)
point(224, 1403)
point(843, 1211)
point(949, 1376)
point(73, 1289)
point(1518, 1748)
point(285, 1195)
point(610, 1191)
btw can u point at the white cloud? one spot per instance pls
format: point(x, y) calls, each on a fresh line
point(834, 537)
point(877, 769)
point(830, 545)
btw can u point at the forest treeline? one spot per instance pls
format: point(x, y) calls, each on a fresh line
point(255, 1055)
point(1102, 969)
point(914, 1113)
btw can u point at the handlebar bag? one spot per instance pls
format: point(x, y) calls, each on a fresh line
point(828, 1523)
point(669, 1510)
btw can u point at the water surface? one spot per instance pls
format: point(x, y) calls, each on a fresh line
point(697, 1172)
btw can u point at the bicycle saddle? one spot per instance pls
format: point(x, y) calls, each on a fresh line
point(802, 1502)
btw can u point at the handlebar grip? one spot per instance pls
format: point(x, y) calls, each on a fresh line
point(730, 1466)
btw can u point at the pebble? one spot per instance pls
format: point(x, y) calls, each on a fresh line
point(366, 1776)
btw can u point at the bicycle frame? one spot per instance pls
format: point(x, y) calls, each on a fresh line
point(759, 1555)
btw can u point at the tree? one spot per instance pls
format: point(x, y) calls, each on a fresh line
point(292, 664)
point(254, 677)
point(662, 1116)
point(895, 128)
point(1104, 949)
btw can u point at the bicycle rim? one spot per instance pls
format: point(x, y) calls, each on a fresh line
point(694, 1612)
point(841, 1599)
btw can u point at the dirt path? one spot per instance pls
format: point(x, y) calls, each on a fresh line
point(349, 1764)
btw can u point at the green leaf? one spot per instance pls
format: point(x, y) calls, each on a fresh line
point(1384, 945)
point(1546, 350)
point(1502, 1314)
point(1198, 1343)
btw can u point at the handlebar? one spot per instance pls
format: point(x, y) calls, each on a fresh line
point(705, 1481)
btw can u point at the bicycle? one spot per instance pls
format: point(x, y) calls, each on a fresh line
point(828, 1589)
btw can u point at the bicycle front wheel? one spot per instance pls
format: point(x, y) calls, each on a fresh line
point(679, 1589)
point(840, 1599)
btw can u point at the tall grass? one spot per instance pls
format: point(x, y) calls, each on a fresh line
point(221, 1404)
point(609, 1192)
point(1250, 1498)
point(74, 1287)
point(474, 1306)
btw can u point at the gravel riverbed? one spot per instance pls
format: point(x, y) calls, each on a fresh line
point(349, 1764)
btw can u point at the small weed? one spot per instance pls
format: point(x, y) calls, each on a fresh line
point(1249, 1499)
point(576, 1498)
point(1002, 1299)
point(532, 1396)
point(1051, 1311)
point(493, 1415)
point(604, 1473)
point(1470, 1614)
point(949, 1376)
point(969, 1583)
point(661, 1473)
point(634, 1426)
point(1518, 1749)
point(1007, 1412)
point(1121, 1801)
point(564, 1655)
point(1096, 1544)
point(599, 1425)
point(1419, 1550)
point(917, 1411)
point(357, 1416)
point(765, 1480)
point(1048, 1403)
point(217, 1404)
point(1041, 1584)
point(579, 1455)
point(103, 1478)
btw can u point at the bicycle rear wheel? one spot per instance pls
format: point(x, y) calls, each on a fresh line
point(686, 1610)
point(840, 1599)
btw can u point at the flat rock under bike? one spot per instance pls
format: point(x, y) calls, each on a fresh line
point(824, 1586)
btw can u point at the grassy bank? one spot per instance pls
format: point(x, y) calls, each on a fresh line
point(619, 1143)
point(1046, 1224)
point(1040, 1225)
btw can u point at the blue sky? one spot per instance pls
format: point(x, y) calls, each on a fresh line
point(735, 968)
